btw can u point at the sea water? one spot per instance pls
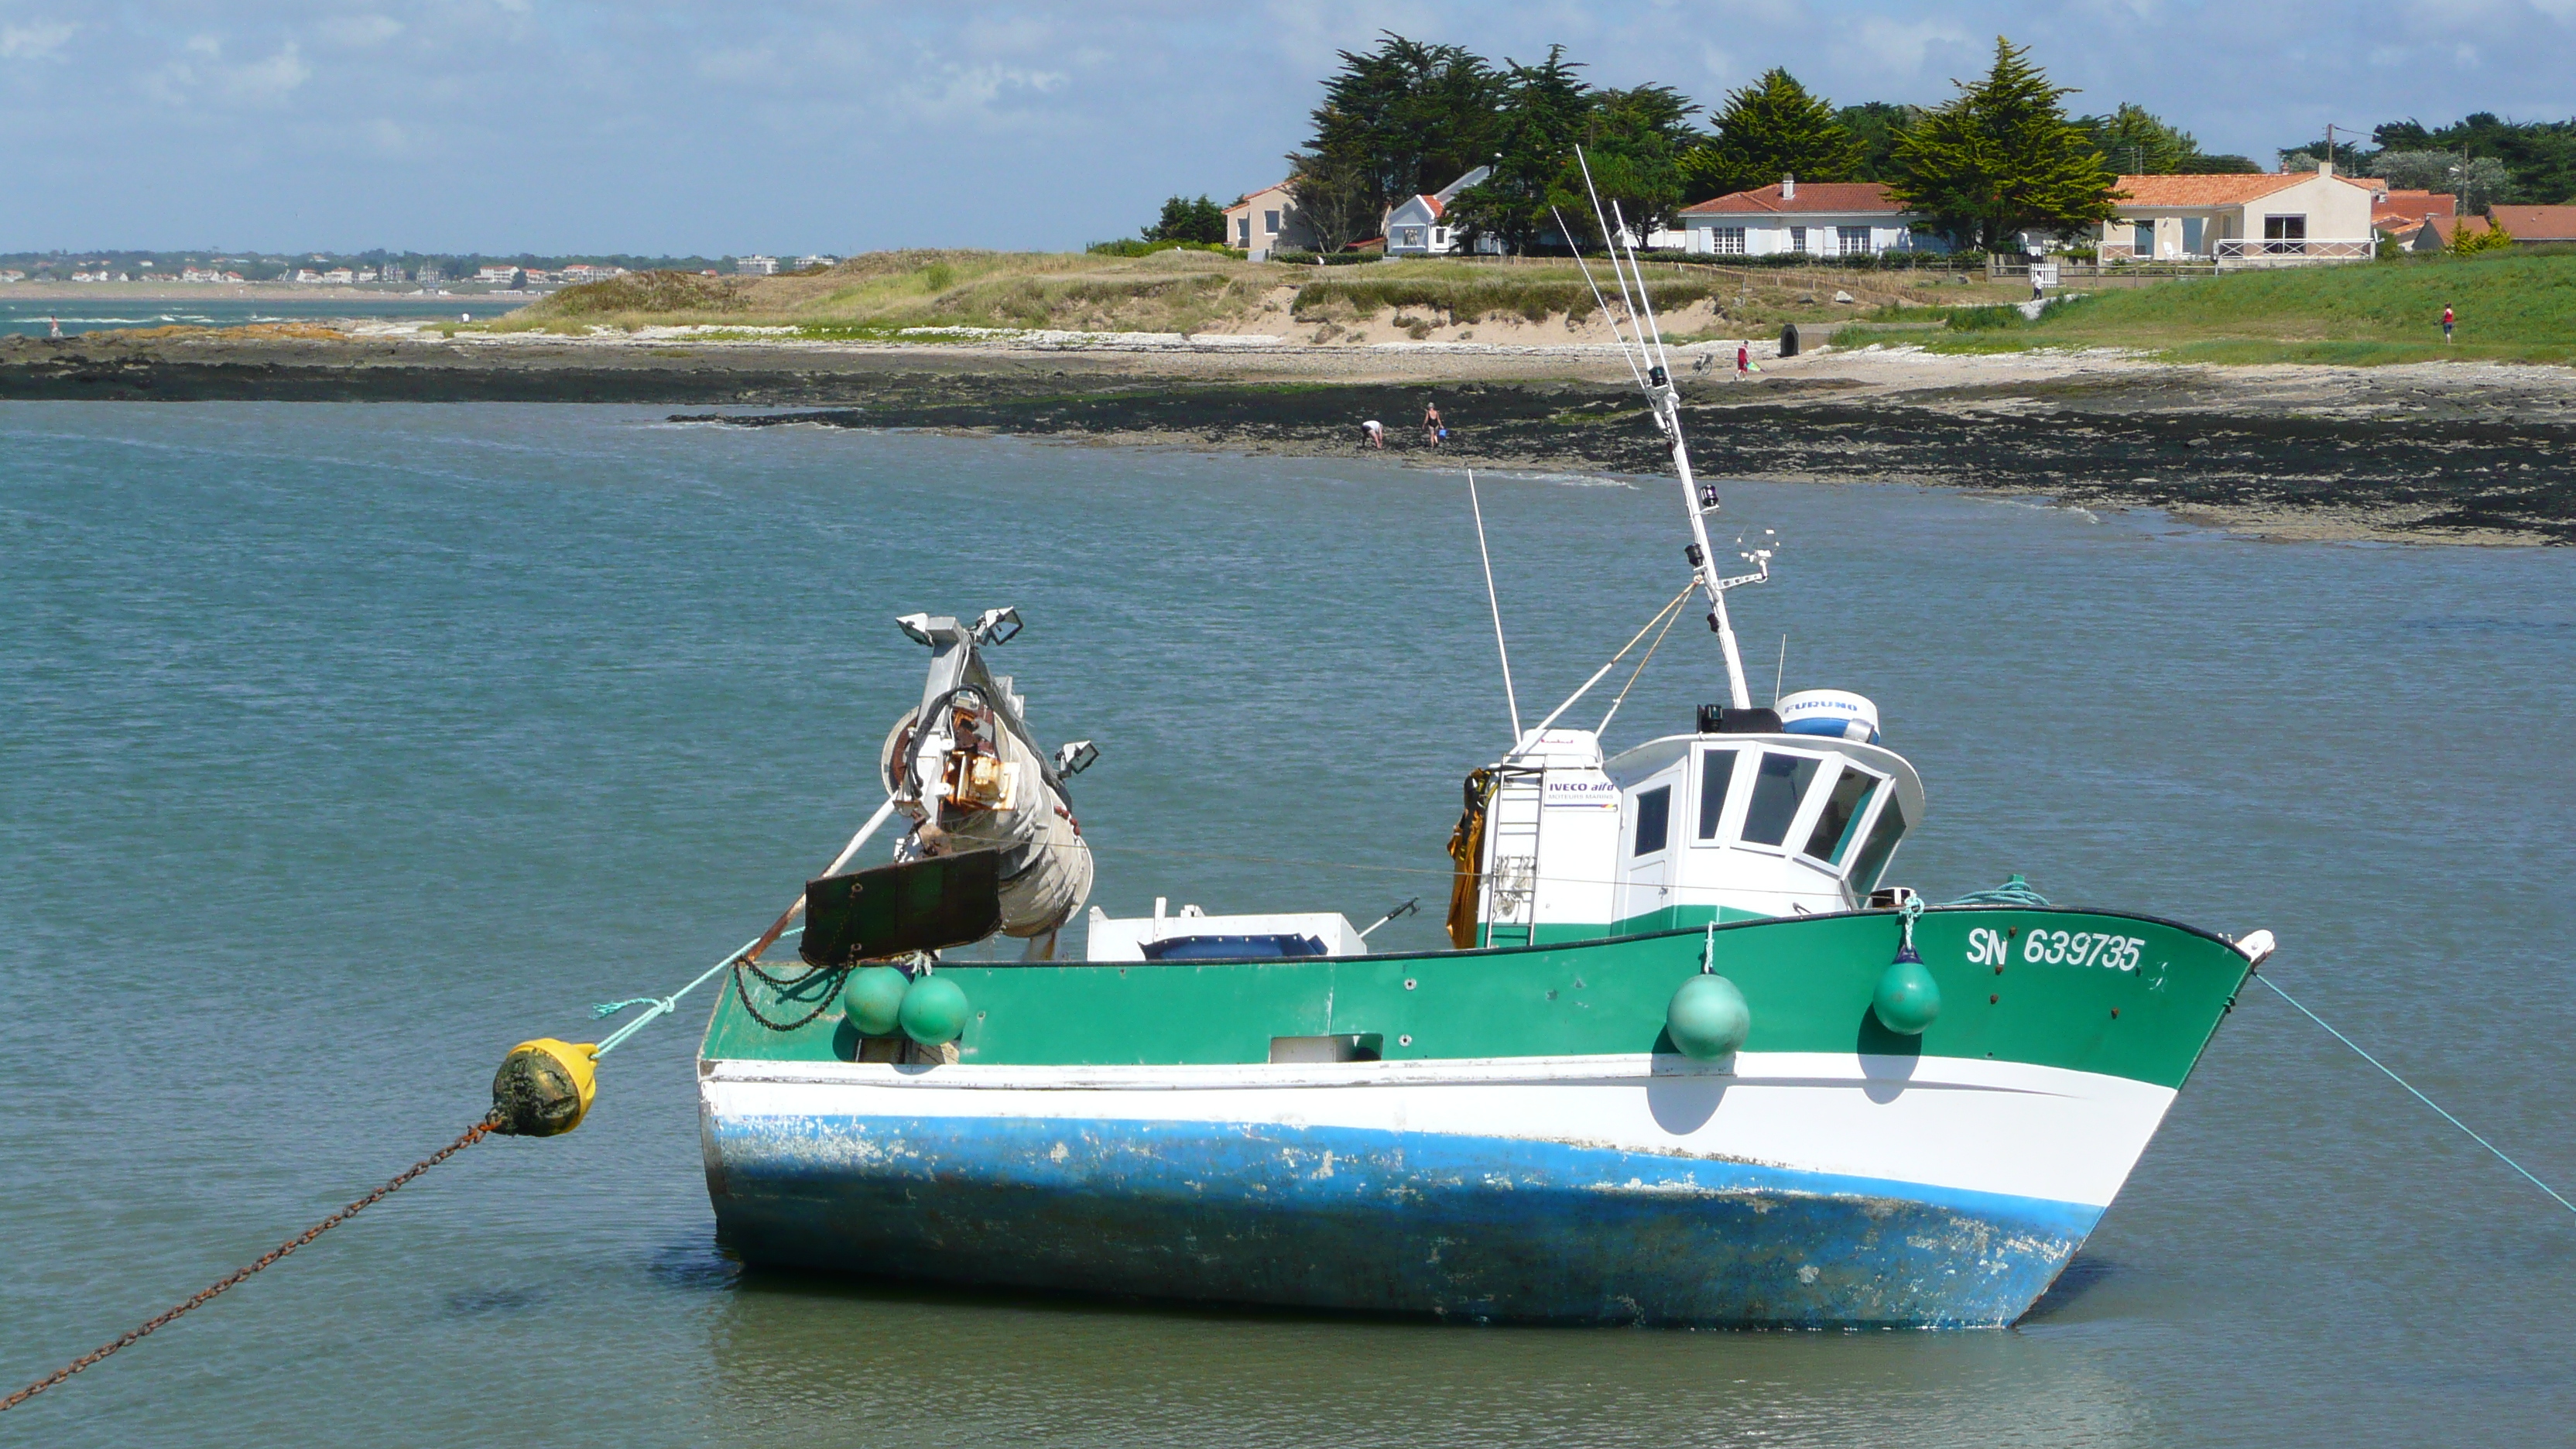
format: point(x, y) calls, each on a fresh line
point(31, 311)
point(342, 747)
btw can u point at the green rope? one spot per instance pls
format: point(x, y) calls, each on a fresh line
point(2014, 892)
point(662, 1006)
point(2419, 1096)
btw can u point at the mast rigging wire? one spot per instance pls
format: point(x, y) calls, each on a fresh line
point(1493, 601)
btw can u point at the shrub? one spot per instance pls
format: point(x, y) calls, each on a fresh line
point(1132, 248)
point(652, 292)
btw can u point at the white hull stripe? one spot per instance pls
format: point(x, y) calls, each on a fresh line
point(1947, 1123)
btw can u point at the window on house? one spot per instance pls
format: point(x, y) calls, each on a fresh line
point(2285, 233)
point(1270, 222)
point(2142, 238)
point(1726, 241)
point(1797, 238)
point(1854, 240)
point(2195, 231)
point(1654, 819)
point(1243, 230)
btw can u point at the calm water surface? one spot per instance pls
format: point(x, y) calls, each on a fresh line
point(340, 748)
point(25, 310)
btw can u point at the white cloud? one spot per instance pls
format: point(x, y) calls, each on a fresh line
point(267, 82)
point(360, 32)
point(201, 70)
point(1900, 48)
point(40, 41)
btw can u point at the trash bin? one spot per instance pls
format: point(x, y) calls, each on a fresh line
point(1789, 340)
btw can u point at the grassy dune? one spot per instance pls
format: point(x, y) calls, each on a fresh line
point(2512, 308)
point(879, 295)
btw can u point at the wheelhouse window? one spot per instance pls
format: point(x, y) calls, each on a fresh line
point(1716, 773)
point(1881, 844)
point(1654, 819)
point(1777, 788)
point(1843, 808)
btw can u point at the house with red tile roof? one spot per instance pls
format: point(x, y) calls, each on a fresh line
point(2405, 211)
point(2275, 219)
point(2533, 225)
point(1816, 218)
point(1417, 226)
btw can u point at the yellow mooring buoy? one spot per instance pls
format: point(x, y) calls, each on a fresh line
point(544, 1087)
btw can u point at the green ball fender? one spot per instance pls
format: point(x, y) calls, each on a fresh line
point(873, 999)
point(1907, 999)
point(934, 1011)
point(1708, 1018)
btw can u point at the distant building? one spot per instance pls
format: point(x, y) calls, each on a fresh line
point(585, 272)
point(1268, 221)
point(307, 275)
point(755, 266)
point(339, 277)
point(1417, 225)
point(200, 274)
point(13, 276)
point(429, 275)
point(2281, 218)
point(498, 276)
point(1815, 218)
point(2535, 225)
point(816, 260)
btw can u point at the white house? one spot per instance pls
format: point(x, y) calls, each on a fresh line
point(498, 276)
point(1268, 220)
point(1417, 225)
point(1818, 218)
point(755, 266)
point(2274, 219)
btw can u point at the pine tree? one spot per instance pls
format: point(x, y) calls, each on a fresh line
point(1396, 121)
point(1770, 129)
point(1542, 119)
point(2002, 158)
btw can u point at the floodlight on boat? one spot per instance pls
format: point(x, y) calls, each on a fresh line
point(997, 626)
point(1075, 757)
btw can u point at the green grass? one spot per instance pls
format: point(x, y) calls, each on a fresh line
point(2512, 308)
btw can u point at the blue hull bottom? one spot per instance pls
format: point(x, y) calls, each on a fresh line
point(1485, 1229)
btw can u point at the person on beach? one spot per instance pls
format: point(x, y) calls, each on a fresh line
point(1432, 428)
point(2447, 320)
point(1373, 433)
point(53, 329)
point(1743, 362)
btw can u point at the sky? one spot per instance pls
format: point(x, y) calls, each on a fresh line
point(507, 126)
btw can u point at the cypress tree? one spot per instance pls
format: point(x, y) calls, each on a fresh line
point(1773, 128)
point(2003, 158)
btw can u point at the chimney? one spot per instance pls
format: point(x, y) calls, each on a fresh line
point(2325, 168)
point(1788, 188)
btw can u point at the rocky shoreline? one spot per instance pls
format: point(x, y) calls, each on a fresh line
point(2446, 453)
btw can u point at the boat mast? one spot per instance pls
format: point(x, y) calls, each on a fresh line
point(1647, 363)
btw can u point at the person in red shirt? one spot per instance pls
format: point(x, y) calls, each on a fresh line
point(1743, 361)
point(2446, 321)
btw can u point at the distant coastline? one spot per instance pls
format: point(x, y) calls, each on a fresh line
point(2461, 452)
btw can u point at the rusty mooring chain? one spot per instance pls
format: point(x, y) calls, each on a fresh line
point(472, 1135)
